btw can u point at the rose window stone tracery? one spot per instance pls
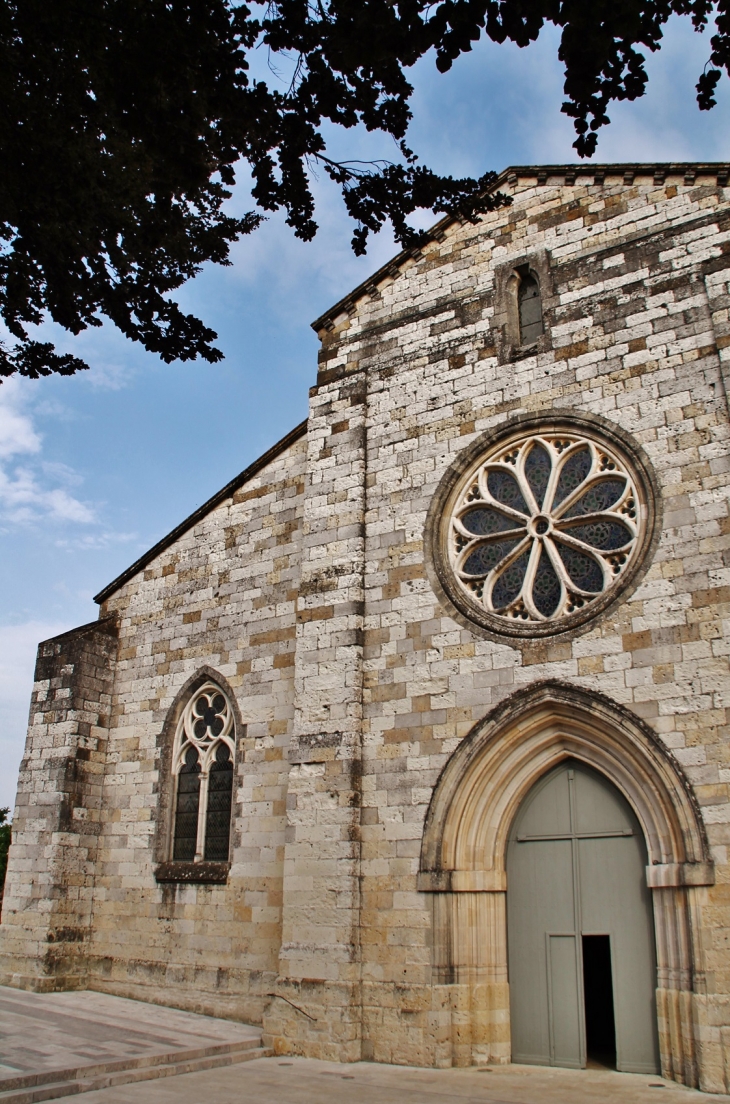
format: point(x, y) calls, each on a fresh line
point(544, 526)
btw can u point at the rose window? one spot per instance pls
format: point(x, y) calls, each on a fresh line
point(544, 527)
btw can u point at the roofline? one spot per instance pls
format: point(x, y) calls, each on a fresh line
point(540, 173)
point(193, 519)
point(103, 624)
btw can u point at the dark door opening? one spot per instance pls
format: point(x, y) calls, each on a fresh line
point(598, 996)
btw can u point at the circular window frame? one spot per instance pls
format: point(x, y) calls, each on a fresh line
point(471, 612)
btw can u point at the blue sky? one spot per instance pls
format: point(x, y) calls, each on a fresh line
point(94, 469)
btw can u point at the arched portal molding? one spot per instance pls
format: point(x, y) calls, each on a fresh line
point(465, 838)
point(481, 787)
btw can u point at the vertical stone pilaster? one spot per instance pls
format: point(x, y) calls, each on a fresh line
point(48, 900)
point(470, 956)
point(717, 285)
point(319, 960)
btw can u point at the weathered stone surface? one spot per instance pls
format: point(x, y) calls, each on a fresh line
point(48, 898)
point(308, 590)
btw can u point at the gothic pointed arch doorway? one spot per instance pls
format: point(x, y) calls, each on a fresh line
point(464, 865)
point(581, 951)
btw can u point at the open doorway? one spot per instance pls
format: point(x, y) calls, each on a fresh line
point(576, 862)
point(598, 997)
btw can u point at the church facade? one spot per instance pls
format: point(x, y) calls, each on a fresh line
point(411, 744)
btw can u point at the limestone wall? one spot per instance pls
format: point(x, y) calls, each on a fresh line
point(221, 597)
point(48, 899)
point(310, 593)
point(633, 338)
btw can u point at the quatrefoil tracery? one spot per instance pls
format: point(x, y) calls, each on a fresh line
point(206, 724)
point(544, 526)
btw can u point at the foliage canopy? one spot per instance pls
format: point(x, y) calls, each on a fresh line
point(123, 122)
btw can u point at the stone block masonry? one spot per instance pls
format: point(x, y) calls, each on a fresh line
point(48, 899)
point(307, 588)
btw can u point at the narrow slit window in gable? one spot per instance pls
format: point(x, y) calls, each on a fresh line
point(530, 308)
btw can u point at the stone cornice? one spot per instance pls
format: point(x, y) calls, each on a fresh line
point(539, 175)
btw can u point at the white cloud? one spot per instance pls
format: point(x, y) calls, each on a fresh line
point(272, 261)
point(23, 499)
point(99, 540)
point(27, 491)
point(17, 434)
point(18, 646)
point(108, 375)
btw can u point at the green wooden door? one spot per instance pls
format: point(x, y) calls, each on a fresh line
point(577, 904)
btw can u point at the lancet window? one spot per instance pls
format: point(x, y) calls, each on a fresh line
point(529, 302)
point(203, 767)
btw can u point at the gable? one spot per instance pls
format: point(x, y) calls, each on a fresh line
point(545, 197)
point(202, 512)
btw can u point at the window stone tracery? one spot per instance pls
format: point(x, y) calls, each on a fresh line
point(203, 759)
point(542, 528)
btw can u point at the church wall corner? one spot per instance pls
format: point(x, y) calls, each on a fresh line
point(48, 900)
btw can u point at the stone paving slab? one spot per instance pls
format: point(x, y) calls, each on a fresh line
point(305, 1081)
point(42, 1032)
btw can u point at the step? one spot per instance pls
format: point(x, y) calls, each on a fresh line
point(52, 1084)
point(112, 1065)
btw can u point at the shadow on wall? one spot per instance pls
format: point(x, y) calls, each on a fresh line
point(5, 832)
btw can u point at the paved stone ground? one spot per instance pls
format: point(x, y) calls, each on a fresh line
point(302, 1081)
point(42, 1032)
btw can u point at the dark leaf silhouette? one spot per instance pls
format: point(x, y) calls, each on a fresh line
point(123, 123)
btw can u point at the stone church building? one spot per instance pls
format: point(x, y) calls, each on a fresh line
point(411, 744)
